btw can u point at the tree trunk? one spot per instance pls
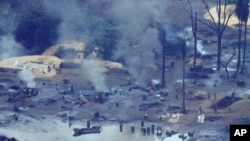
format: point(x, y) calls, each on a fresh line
point(163, 59)
point(244, 49)
point(219, 38)
point(195, 39)
point(239, 50)
point(183, 80)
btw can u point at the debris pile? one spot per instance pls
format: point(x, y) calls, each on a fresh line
point(225, 102)
point(19, 95)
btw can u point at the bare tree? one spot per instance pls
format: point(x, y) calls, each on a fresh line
point(242, 13)
point(245, 43)
point(219, 23)
point(238, 13)
point(163, 83)
point(162, 38)
point(183, 54)
point(225, 65)
point(189, 10)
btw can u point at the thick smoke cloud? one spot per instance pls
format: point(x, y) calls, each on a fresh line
point(40, 24)
point(8, 45)
point(139, 42)
point(26, 27)
point(37, 27)
point(72, 16)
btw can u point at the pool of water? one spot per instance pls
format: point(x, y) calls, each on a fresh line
point(60, 131)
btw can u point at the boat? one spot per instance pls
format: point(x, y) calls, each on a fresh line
point(83, 131)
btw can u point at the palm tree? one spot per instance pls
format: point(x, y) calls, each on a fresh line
point(245, 14)
point(242, 13)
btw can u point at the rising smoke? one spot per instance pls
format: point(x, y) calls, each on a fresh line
point(138, 43)
point(28, 77)
point(187, 35)
point(92, 70)
point(10, 47)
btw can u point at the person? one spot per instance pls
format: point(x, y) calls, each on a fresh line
point(48, 69)
point(215, 109)
point(234, 94)
point(70, 124)
point(200, 108)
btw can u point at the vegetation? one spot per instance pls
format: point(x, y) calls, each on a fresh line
point(193, 16)
point(242, 12)
point(220, 25)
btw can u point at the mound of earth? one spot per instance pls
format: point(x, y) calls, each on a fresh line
point(41, 66)
point(225, 102)
point(77, 46)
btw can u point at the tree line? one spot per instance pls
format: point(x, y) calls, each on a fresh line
point(219, 23)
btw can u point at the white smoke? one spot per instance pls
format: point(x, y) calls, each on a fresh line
point(92, 69)
point(8, 16)
point(200, 47)
point(187, 35)
point(10, 47)
point(139, 42)
point(27, 76)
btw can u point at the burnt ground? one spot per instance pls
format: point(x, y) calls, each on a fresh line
point(129, 103)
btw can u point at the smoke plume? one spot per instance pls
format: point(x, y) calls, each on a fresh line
point(139, 42)
point(138, 45)
point(92, 69)
point(27, 76)
point(187, 35)
point(10, 47)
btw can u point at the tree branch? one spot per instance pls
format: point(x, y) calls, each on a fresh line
point(226, 18)
point(213, 22)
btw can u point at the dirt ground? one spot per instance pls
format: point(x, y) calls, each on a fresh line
point(124, 102)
